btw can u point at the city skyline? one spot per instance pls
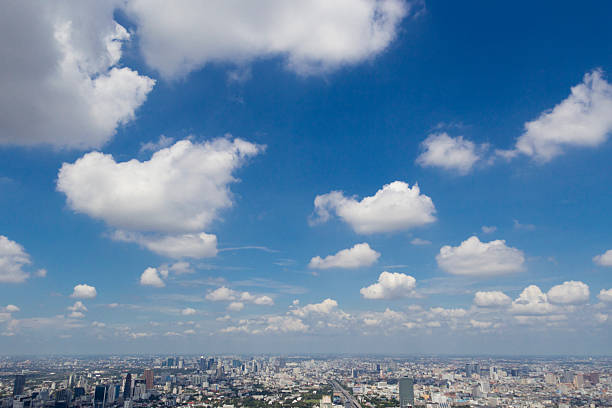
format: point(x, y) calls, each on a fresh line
point(386, 177)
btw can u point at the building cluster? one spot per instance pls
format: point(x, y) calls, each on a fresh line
point(304, 382)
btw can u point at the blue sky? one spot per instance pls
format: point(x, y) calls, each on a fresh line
point(176, 172)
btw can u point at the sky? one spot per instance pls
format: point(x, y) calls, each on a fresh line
point(361, 176)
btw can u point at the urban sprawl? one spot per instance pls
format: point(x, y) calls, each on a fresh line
point(305, 382)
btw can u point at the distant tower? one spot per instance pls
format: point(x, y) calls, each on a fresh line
point(406, 392)
point(19, 384)
point(148, 375)
point(127, 387)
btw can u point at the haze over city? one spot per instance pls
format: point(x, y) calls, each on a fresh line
point(351, 177)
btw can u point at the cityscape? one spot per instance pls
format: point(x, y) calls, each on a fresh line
point(305, 382)
point(305, 203)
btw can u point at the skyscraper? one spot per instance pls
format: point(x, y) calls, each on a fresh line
point(19, 384)
point(100, 396)
point(127, 387)
point(406, 392)
point(148, 376)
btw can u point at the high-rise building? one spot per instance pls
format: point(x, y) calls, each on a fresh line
point(100, 396)
point(406, 392)
point(148, 376)
point(127, 387)
point(19, 384)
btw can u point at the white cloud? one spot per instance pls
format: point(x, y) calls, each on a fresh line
point(77, 315)
point(601, 317)
point(150, 277)
point(569, 293)
point(163, 203)
point(285, 324)
point(180, 189)
point(390, 286)
point(222, 294)
point(84, 291)
point(476, 258)
point(63, 85)
point(489, 229)
point(188, 311)
point(181, 268)
point(419, 241)
point(605, 295)
point(604, 259)
point(312, 36)
point(358, 256)
point(13, 258)
point(325, 307)
point(491, 299)
point(263, 300)
point(235, 306)
point(41, 273)
point(450, 153)
point(77, 307)
point(448, 313)
point(11, 308)
point(199, 245)
point(532, 301)
point(583, 119)
point(395, 207)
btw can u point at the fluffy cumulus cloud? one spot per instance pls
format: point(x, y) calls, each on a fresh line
point(450, 153)
point(476, 258)
point(225, 294)
point(396, 206)
point(358, 256)
point(604, 259)
point(151, 277)
point(491, 299)
point(12, 260)
point(532, 301)
point(285, 324)
point(235, 306)
point(312, 36)
point(188, 311)
point(327, 306)
point(605, 295)
point(198, 245)
point(164, 203)
point(63, 85)
point(390, 286)
point(84, 291)
point(583, 119)
point(569, 293)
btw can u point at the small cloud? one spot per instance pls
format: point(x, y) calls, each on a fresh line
point(604, 259)
point(150, 277)
point(419, 241)
point(235, 306)
point(41, 273)
point(525, 227)
point(358, 256)
point(488, 229)
point(84, 291)
point(188, 311)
